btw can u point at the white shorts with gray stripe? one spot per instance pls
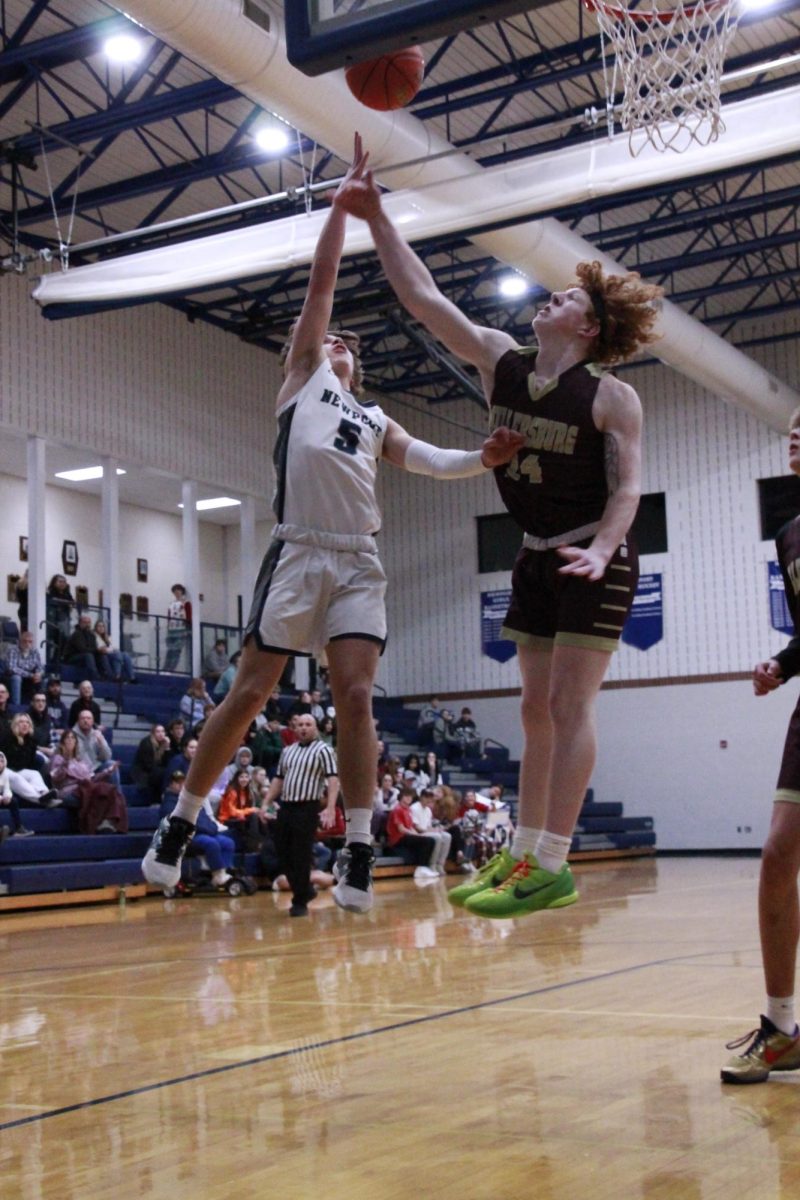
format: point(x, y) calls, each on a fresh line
point(310, 592)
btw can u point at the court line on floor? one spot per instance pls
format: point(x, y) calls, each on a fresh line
point(291, 1052)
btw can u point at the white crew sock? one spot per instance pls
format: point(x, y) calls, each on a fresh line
point(188, 807)
point(780, 1010)
point(358, 822)
point(552, 850)
point(525, 841)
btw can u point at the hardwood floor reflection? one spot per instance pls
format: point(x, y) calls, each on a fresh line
point(216, 1048)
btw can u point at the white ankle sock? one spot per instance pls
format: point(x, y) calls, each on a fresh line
point(358, 825)
point(780, 1010)
point(188, 807)
point(524, 841)
point(552, 850)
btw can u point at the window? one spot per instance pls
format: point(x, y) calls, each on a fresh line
point(650, 525)
point(499, 536)
point(779, 502)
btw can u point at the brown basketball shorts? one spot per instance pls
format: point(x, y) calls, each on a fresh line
point(550, 609)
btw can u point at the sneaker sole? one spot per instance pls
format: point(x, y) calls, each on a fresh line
point(160, 873)
point(351, 906)
point(522, 911)
point(727, 1077)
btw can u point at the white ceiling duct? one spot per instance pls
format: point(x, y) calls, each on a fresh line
point(217, 35)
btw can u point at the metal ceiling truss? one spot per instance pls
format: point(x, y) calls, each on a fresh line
point(740, 225)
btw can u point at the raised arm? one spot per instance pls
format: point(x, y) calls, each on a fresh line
point(305, 353)
point(618, 414)
point(414, 285)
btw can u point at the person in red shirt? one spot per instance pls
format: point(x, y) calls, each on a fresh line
point(403, 836)
point(237, 811)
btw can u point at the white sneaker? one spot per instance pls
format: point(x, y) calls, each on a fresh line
point(353, 871)
point(426, 873)
point(162, 862)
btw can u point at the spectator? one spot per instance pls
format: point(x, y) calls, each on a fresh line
point(472, 821)
point(428, 715)
point(80, 649)
point(9, 800)
point(85, 702)
point(467, 733)
point(20, 750)
point(241, 817)
point(176, 732)
point(216, 661)
point(56, 709)
point(26, 670)
point(430, 773)
point(317, 711)
point(425, 822)
point(273, 709)
point(101, 805)
point(385, 799)
point(289, 731)
point(42, 728)
point(58, 604)
point(491, 798)
point(181, 761)
point(301, 706)
point(225, 680)
point(211, 839)
point(179, 626)
point(5, 713)
point(404, 838)
point(267, 746)
point(327, 730)
point(149, 762)
point(117, 663)
point(446, 810)
point(21, 597)
point(445, 738)
point(194, 703)
point(94, 749)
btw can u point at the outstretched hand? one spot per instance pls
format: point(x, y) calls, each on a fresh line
point(585, 561)
point(767, 677)
point(356, 169)
point(358, 194)
point(501, 446)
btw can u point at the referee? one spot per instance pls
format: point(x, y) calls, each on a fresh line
point(306, 771)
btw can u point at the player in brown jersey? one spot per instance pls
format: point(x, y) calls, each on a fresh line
point(775, 1045)
point(574, 489)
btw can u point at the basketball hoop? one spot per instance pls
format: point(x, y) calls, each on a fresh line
point(669, 58)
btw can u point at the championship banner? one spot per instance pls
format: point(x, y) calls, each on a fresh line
point(645, 625)
point(494, 606)
point(778, 608)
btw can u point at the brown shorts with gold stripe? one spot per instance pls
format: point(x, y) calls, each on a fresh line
point(547, 608)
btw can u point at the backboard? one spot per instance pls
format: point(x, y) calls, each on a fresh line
point(322, 35)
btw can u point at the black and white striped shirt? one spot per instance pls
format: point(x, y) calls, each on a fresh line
point(304, 770)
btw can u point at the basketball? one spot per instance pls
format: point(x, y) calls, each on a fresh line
point(388, 82)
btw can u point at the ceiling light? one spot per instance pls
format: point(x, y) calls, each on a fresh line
point(754, 4)
point(123, 48)
point(513, 285)
point(82, 473)
point(272, 138)
point(217, 502)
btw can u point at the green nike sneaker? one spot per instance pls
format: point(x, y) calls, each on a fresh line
point(527, 889)
point(490, 876)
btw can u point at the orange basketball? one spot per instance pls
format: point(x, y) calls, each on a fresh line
point(388, 82)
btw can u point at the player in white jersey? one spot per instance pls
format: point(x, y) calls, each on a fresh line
point(321, 584)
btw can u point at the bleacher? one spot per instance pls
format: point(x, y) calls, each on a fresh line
point(61, 865)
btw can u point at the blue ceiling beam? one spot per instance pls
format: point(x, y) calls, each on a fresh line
point(48, 53)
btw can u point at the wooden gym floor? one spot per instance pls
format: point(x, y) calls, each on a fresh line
point(215, 1049)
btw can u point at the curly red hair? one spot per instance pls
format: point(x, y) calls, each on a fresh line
point(624, 307)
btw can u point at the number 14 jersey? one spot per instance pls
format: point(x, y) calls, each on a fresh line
point(326, 458)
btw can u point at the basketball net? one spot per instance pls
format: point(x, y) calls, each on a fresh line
point(669, 59)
